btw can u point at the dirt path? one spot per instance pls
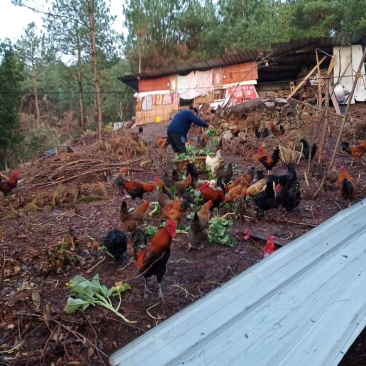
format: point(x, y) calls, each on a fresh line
point(37, 269)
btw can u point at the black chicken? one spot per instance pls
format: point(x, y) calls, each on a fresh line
point(259, 175)
point(175, 175)
point(266, 200)
point(287, 180)
point(192, 170)
point(289, 198)
point(139, 238)
point(306, 149)
point(261, 134)
point(226, 175)
point(116, 243)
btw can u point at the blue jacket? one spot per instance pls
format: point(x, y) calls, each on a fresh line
point(182, 121)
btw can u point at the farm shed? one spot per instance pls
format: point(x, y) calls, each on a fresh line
point(159, 97)
point(302, 305)
point(248, 74)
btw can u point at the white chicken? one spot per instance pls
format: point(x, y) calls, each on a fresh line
point(213, 163)
point(212, 183)
point(257, 187)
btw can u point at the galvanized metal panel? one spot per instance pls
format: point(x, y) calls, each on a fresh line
point(302, 305)
point(282, 53)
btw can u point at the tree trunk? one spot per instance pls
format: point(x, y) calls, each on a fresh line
point(96, 76)
point(139, 58)
point(38, 113)
point(81, 102)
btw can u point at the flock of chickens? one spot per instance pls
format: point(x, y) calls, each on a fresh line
point(176, 196)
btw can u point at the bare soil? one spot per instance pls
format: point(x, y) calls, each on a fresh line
point(34, 279)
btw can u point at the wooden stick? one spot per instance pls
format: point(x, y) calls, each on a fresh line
point(325, 127)
point(306, 77)
point(318, 109)
point(264, 236)
point(320, 187)
point(320, 102)
point(2, 269)
point(293, 222)
point(96, 265)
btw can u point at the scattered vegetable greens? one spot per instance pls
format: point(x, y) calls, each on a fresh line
point(85, 293)
point(217, 232)
point(150, 230)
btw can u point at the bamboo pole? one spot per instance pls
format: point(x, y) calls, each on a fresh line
point(316, 108)
point(326, 122)
point(305, 78)
point(320, 101)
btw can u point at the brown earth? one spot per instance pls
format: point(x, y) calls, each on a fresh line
point(35, 277)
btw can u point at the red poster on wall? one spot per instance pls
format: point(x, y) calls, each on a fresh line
point(240, 93)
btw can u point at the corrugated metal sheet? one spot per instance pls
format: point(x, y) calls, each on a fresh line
point(286, 54)
point(303, 305)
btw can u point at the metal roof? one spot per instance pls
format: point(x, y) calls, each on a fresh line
point(303, 305)
point(284, 61)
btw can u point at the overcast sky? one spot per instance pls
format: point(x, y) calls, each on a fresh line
point(13, 19)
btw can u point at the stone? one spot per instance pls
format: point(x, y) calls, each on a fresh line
point(280, 101)
point(233, 127)
point(227, 135)
point(269, 105)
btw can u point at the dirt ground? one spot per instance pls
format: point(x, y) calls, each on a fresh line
point(35, 329)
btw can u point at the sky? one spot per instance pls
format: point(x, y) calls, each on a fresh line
point(13, 19)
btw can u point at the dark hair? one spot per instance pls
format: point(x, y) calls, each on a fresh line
point(195, 110)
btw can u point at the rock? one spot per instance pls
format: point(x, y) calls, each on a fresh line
point(227, 135)
point(128, 124)
point(258, 112)
point(269, 105)
point(280, 101)
point(243, 135)
point(233, 127)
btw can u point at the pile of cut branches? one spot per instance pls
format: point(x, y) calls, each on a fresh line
point(77, 171)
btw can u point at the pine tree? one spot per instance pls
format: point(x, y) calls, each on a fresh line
point(11, 76)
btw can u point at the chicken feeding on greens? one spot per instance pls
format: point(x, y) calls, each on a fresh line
point(152, 259)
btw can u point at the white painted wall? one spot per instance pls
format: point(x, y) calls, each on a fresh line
point(348, 60)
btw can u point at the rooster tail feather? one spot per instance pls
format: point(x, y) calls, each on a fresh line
point(347, 186)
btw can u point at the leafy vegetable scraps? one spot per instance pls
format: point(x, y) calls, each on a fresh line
point(217, 232)
point(181, 157)
point(204, 152)
point(212, 132)
point(85, 293)
point(151, 230)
